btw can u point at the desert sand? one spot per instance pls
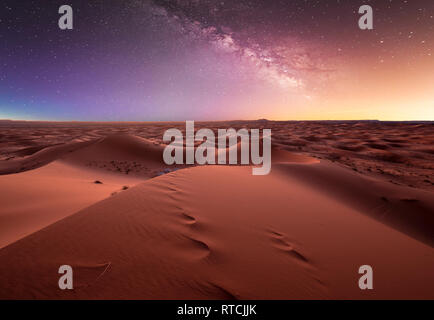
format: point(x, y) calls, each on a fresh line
point(98, 197)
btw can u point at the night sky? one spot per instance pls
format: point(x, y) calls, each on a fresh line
point(212, 60)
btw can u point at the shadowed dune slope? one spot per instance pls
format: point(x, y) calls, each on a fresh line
point(409, 210)
point(219, 232)
point(119, 147)
point(40, 158)
point(115, 152)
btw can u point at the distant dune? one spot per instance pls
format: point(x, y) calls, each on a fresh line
point(134, 228)
point(64, 180)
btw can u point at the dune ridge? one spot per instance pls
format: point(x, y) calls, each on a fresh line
point(151, 231)
point(173, 236)
point(58, 181)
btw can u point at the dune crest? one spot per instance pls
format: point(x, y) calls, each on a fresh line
point(58, 181)
point(219, 232)
point(132, 227)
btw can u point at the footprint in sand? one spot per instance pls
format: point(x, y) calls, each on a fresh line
point(193, 248)
point(86, 275)
point(196, 248)
point(280, 242)
point(215, 291)
point(187, 219)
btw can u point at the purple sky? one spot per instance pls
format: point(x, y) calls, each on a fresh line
point(211, 60)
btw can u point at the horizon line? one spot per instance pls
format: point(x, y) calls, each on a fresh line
point(227, 120)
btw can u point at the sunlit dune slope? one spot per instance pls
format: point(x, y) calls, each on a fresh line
point(219, 232)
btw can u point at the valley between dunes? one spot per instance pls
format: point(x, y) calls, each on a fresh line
point(132, 227)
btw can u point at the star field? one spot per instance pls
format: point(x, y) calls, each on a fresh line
point(211, 60)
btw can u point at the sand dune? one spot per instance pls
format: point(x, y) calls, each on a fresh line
point(406, 209)
point(120, 153)
point(218, 232)
point(40, 158)
point(398, 152)
point(37, 198)
point(207, 232)
point(64, 181)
